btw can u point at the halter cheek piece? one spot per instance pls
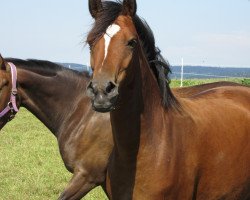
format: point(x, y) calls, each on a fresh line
point(11, 106)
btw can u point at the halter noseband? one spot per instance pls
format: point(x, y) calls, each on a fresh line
point(11, 106)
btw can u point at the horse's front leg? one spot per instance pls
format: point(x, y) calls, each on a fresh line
point(79, 186)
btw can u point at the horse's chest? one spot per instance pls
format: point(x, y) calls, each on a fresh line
point(152, 176)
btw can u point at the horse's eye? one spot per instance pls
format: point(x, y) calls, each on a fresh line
point(132, 43)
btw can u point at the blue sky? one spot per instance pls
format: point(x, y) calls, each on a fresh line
point(214, 32)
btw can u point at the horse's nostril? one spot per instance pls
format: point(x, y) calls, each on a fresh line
point(111, 86)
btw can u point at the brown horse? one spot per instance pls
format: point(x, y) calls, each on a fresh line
point(86, 141)
point(165, 147)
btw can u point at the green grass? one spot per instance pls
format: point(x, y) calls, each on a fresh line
point(30, 164)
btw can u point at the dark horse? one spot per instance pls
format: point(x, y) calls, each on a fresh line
point(54, 95)
point(165, 147)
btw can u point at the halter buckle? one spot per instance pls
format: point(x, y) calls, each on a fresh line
point(14, 92)
point(10, 105)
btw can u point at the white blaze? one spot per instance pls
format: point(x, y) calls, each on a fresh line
point(111, 31)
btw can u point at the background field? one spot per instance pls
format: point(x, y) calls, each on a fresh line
point(30, 165)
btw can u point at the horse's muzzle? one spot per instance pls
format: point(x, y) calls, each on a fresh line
point(103, 96)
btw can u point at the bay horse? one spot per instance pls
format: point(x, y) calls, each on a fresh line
point(165, 147)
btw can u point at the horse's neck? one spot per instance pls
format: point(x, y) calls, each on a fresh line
point(50, 99)
point(136, 113)
point(134, 128)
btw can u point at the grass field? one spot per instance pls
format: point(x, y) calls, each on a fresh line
point(30, 165)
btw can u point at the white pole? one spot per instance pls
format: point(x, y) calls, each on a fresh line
point(182, 66)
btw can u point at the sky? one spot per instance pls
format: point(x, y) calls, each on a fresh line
point(202, 32)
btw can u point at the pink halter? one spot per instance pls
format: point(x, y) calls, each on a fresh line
point(11, 106)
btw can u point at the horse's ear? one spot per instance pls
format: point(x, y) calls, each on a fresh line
point(95, 6)
point(129, 7)
point(2, 63)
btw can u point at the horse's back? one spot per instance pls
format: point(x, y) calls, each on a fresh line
point(221, 132)
point(239, 95)
point(184, 92)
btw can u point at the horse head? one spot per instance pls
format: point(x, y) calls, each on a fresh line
point(114, 42)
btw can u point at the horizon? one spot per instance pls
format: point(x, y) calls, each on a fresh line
point(177, 65)
point(205, 33)
point(189, 72)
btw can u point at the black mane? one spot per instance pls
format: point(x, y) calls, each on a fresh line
point(159, 66)
point(44, 67)
point(37, 65)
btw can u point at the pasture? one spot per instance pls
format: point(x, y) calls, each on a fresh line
point(30, 165)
